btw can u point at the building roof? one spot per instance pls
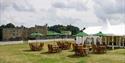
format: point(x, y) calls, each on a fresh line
point(99, 34)
point(81, 34)
point(53, 33)
point(36, 34)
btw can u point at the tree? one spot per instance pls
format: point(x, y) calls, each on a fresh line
point(58, 28)
point(73, 29)
point(10, 25)
point(3, 26)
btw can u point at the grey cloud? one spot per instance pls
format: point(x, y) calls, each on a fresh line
point(70, 5)
point(106, 9)
point(20, 7)
point(68, 20)
point(103, 9)
point(59, 5)
point(17, 5)
point(3, 4)
point(108, 6)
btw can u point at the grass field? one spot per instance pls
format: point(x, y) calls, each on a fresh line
point(20, 53)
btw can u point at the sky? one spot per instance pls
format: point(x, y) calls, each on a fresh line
point(107, 16)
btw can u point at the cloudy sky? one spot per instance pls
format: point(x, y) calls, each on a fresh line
point(96, 15)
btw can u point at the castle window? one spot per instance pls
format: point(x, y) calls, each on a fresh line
point(13, 30)
point(14, 34)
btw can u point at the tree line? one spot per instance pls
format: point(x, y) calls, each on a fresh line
point(58, 28)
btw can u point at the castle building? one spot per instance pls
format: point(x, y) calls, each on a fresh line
point(20, 33)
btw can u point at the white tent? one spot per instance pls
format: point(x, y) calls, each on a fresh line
point(87, 39)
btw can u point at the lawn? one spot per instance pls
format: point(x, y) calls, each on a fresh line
point(20, 53)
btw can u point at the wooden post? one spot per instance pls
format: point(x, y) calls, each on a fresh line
point(123, 40)
point(105, 40)
point(119, 41)
point(123, 43)
point(112, 46)
point(112, 43)
point(108, 40)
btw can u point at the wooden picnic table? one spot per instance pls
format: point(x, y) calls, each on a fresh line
point(81, 51)
point(53, 48)
point(64, 46)
point(101, 49)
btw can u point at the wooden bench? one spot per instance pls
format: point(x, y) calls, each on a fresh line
point(36, 46)
point(64, 45)
point(74, 46)
point(53, 48)
point(99, 49)
point(80, 50)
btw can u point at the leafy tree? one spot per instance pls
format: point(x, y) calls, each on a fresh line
point(3, 26)
point(59, 28)
point(10, 25)
point(73, 29)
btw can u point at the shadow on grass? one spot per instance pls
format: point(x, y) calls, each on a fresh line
point(98, 53)
point(49, 53)
point(29, 51)
point(71, 50)
point(74, 56)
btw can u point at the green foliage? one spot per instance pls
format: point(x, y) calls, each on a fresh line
point(73, 29)
point(20, 53)
point(58, 28)
point(9, 25)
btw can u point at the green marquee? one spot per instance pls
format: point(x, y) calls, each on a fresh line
point(53, 33)
point(81, 34)
point(36, 34)
point(100, 34)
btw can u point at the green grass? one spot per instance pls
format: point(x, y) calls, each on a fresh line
point(20, 53)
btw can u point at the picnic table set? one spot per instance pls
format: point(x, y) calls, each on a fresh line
point(36, 46)
point(99, 49)
point(78, 49)
point(64, 45)
point(81, 51)
point(53, 48)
